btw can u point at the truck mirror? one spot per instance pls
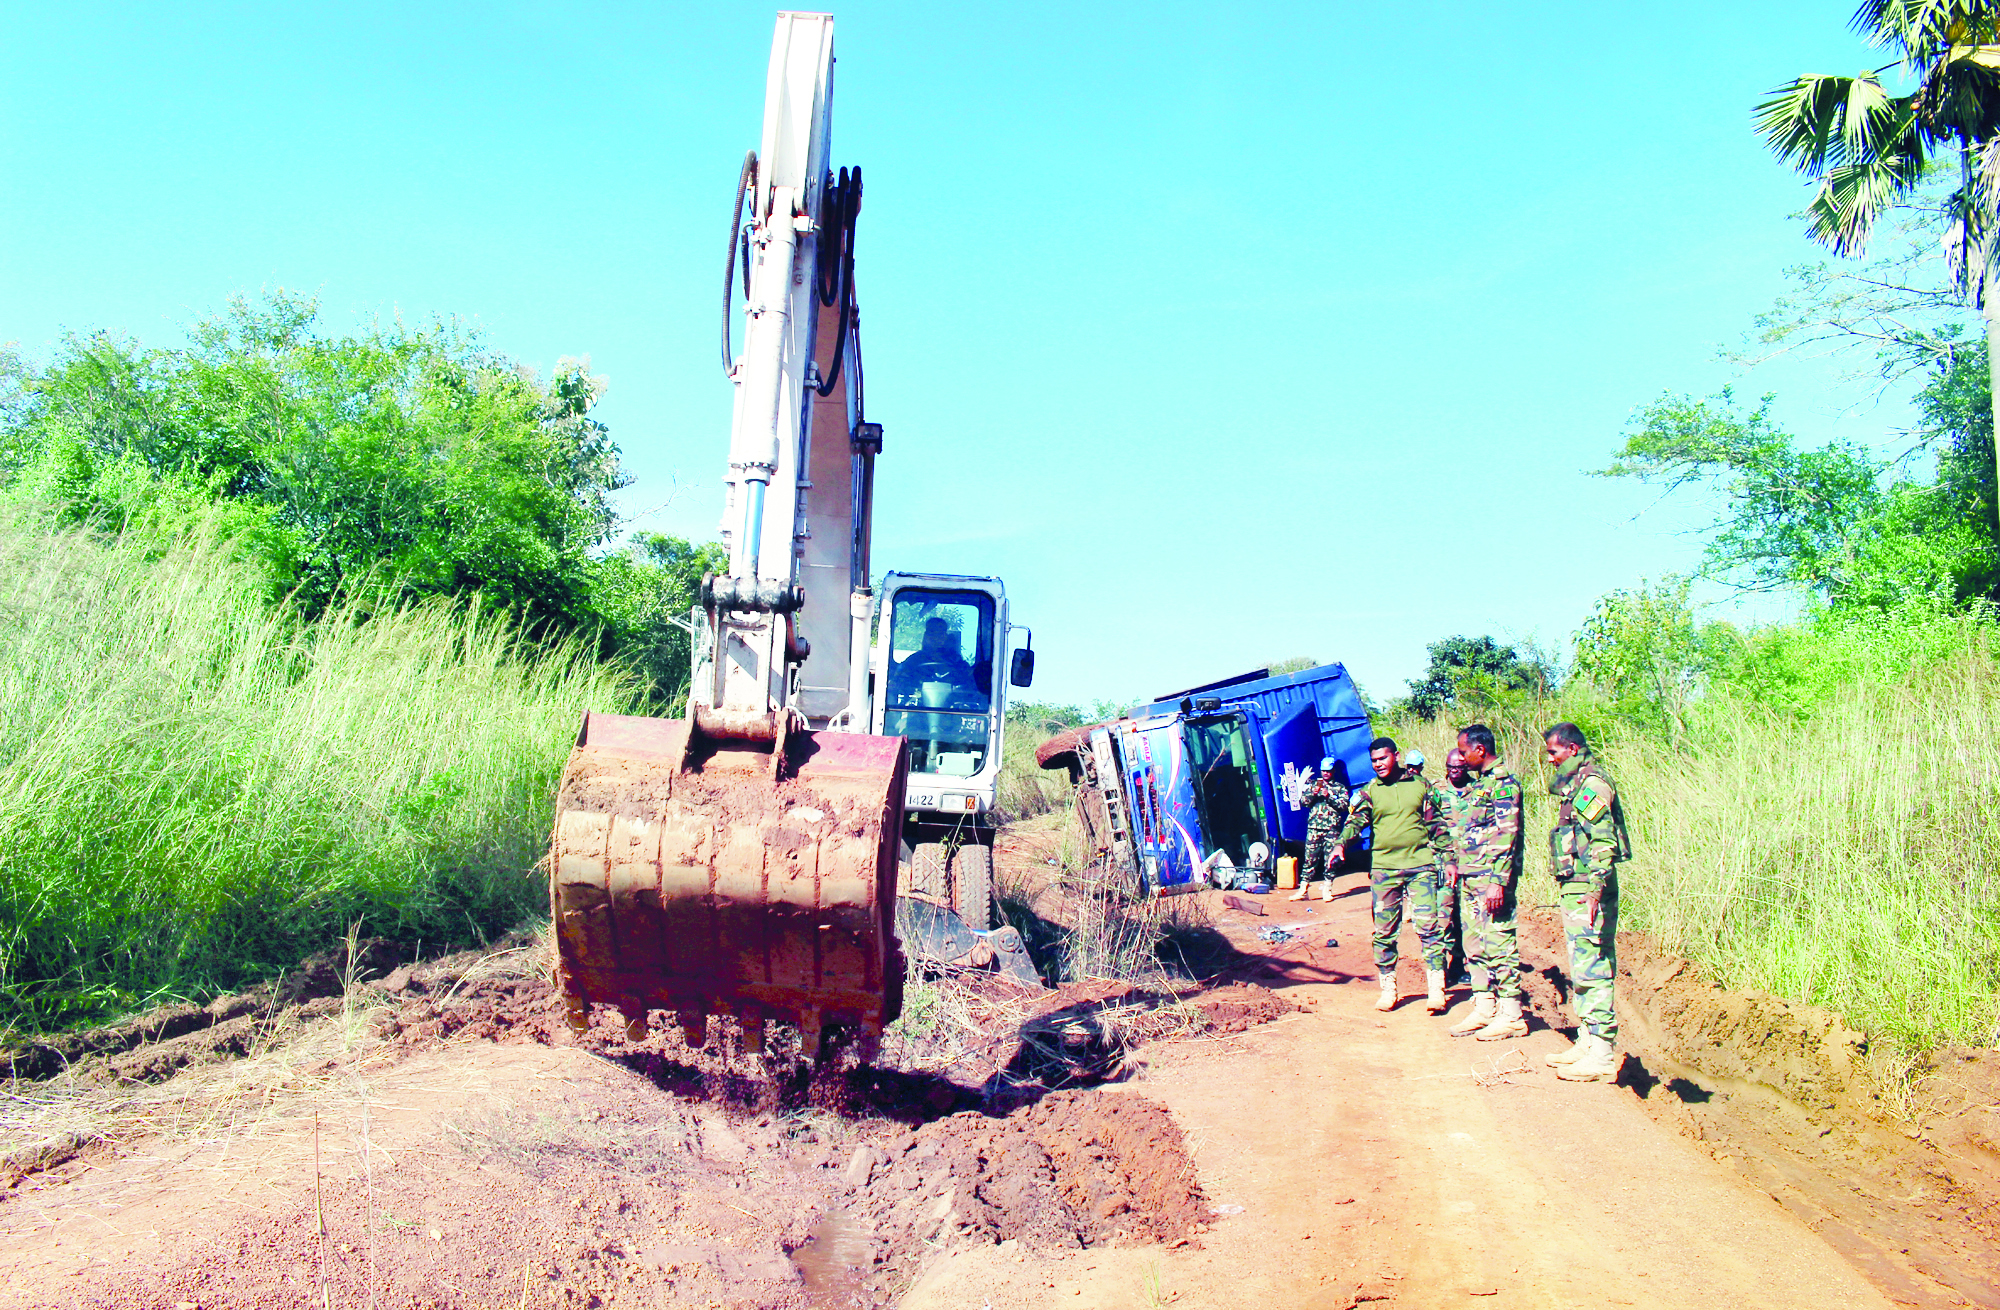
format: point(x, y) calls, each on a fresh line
point(1023, 672)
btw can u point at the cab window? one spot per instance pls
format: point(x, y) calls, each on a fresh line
point(940, 679)
point(1225, 777)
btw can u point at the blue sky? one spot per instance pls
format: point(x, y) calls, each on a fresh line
point(1221, 333)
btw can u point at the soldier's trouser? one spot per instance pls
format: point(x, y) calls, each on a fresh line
point(1419, 891)
point(1454, 929)
point(1593, 956)
point(1490, 944)
point(1321, 852)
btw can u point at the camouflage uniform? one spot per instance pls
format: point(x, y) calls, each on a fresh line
point(1326, 799)
point(1455, 803)
point(1491, 856)
point(1408, 843)
point(1585, 846)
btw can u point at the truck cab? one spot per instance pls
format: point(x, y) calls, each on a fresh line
point(1206, 784)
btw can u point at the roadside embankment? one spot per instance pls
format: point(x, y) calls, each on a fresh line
point(1896, 1164)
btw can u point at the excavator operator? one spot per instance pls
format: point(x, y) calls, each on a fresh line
point(935, 676)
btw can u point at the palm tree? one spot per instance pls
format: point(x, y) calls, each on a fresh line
point(1869, 149)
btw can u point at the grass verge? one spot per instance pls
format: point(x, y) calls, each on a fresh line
point(197, 789)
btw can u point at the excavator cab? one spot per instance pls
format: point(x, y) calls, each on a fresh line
point(941, 668)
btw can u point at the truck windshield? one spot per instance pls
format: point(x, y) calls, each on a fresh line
point(1225, 777)
point(940, 679)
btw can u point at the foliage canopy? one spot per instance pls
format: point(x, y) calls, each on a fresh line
point(381, 467)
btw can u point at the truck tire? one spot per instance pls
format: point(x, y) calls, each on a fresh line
point(972, 886)
point(963, 882)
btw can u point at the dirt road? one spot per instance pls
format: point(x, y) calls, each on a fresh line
point(443, 1142)
point(1376, 1159)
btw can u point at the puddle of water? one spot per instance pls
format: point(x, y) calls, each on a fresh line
point(834, 1259)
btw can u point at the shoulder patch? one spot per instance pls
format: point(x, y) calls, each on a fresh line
point(1593, 799)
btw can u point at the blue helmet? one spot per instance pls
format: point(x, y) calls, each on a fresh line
point(1326, 765)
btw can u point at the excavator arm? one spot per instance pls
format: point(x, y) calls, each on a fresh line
point(742, 861)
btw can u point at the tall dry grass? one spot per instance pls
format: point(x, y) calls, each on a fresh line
point(197, 788)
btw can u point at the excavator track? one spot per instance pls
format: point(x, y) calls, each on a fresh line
point(719, 880)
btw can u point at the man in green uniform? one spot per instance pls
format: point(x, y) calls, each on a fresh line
point(1585, 848)
point(1455, 800)
point(1326, 798)
point(1490, 855)
point(1411, 841)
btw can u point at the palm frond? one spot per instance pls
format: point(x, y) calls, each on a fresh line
point(1925, 29)
point(1852, 196)
point(1960, 94)
point(1817, 123)
point(1801, 119)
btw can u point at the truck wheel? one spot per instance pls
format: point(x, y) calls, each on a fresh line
point(972, 886)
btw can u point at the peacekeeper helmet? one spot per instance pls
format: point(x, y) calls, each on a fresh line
point(1414, 760)
point(1326, 767)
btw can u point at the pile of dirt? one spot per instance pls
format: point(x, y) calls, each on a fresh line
point(1900, 1172)
point(1075, 1169)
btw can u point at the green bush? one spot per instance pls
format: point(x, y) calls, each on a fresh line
point(198, 787)
point(392, 464)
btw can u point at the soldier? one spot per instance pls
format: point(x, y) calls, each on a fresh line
point(1411, 840)
point(1455, 801)
point(1490, 851)
point(1585, 848)
point(1326, 798)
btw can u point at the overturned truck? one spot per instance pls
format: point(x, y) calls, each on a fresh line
point(1203, 786)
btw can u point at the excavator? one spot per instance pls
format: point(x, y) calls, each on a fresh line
point(745, 860)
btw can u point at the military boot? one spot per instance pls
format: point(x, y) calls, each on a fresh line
point(1482, 1014)
point(1435, 1002)
point(1598, 1063)
point(1326, 888)
point(1571, 1053)
point(1387, 1000)
point(1507, 1022)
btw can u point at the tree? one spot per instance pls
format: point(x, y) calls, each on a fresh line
point(1791, 513)
point(1474, 668)
point(643, 595)
point(390, 464)
point(1870, 149)
point(1645, 649)
point(405, 460)
point(1820, 520)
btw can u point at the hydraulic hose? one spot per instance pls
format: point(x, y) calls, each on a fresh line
point(736, 232)
point(841, 208)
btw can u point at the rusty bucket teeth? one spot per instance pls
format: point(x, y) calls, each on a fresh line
point(709, 887)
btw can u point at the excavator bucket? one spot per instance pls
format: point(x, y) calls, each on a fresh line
point(705, 878)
